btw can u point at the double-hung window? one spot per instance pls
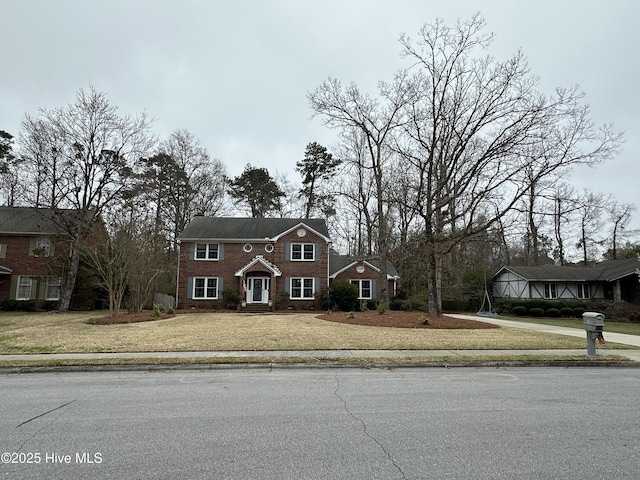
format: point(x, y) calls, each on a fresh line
point(303, 252)
point(207, 251)
point(24, 288)
point(550, 290)
point(205, 287)
point(364, 288)
point(40, 247)
point(583, 290)
point(301, 289)
point(53, 288)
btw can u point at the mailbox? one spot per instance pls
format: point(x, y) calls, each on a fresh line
point(593, 321)
point(593, 324)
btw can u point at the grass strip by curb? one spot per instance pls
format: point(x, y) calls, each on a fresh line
point(450, 360)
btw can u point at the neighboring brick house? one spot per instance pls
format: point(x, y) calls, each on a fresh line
point(29, 246)
point(365, 274)
point(265, 259)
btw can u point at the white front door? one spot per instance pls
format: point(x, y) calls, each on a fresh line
point(257, 289)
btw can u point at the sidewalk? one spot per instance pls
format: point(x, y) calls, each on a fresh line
point(633, 340)
point(307, 355)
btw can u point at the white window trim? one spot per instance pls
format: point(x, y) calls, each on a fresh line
point(206, 285)
point(553, 291)
point(58, 283)
point(206, 252)
point(19, 285)
point(581, 289)
point(302, 288)
point(359, 282)
point(302, 248)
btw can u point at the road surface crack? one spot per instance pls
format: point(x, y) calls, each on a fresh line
point(364, 428)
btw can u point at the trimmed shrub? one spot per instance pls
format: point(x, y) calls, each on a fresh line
point(416, 302)
point(230, 297)
point(536, 312)
point(566, 312)
point(519, 310)
point(552, 312)
point(577, 312)
point(344, 295)
point(395, 304)
point(18, 306)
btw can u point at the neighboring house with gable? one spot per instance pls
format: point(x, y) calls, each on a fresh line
point(365, 274)
point(265, 259)
point(29, 245)
point(610, 280)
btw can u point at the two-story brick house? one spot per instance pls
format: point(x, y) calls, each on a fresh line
point(264, 259)
point(259, 257)
point(29, 246)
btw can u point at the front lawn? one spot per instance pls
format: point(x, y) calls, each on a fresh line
point(613, 326)
point(73, 332)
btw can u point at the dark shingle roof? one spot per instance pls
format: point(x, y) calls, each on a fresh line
point(608, 271)
point(229, 228)
point(339, 262)
point(28, 220)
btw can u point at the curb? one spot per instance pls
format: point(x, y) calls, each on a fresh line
point(319, 365)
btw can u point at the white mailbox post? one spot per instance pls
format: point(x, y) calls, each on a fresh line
point(593, 324)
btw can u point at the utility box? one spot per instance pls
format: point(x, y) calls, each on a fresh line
point(593, 324)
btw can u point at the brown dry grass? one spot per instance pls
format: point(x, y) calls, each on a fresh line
point(66, 333)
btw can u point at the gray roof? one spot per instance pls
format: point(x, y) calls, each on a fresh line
point(340, 262)
point(229, 228)
point(605, 271)
point(29, 220)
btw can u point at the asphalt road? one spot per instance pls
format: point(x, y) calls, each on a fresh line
point(325, 423)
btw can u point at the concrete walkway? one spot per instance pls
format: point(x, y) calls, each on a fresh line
point(633, 340)
point(365, 354)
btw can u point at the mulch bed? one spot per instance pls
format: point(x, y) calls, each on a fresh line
point(404, 319)
point(144, 316)
point(391, 318)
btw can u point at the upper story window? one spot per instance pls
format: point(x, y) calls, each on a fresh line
point(41, 247)
point(207, 251)
point(550, 290)
point(303, 251)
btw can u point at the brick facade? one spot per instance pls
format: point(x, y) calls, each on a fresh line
point(364, 271)
point(20, 258)
point(268, 259)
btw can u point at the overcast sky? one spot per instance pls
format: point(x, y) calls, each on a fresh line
point(236, 73)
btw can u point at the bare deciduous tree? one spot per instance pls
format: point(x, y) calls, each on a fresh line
point(480, 135)
point(375, 120)
point(97, 151)
point(619, 214)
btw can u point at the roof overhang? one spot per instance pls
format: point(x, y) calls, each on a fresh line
point(364, 262)
point(300, 225)
point(259, 259)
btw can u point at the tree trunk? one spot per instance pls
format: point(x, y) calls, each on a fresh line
point(70, 278)
point(435, 304)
